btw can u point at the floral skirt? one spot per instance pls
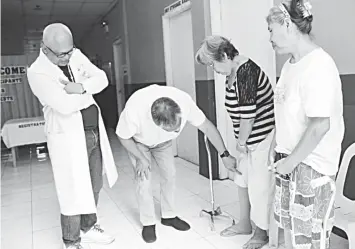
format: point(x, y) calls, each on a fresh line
point(301, 209)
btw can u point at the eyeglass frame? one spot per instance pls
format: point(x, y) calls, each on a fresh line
point(61, 55)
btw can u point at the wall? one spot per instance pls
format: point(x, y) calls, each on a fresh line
point(145, 39)
point(333, 27)
point(97, 42)
point(12, 35)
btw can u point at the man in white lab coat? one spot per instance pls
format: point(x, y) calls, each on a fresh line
point(64, 80)
point(152, 118)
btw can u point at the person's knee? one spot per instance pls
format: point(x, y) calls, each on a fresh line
point(142, 184)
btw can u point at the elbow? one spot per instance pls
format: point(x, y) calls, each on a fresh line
point(206, 127)
point(104, 80)
point(124, 141)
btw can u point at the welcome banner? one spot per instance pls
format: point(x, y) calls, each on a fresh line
point(17, 99)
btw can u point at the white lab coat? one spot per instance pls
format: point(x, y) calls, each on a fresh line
point(64, 129)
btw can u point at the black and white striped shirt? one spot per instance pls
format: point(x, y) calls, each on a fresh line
point(251, 96)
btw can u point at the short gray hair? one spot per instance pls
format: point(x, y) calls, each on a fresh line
point(213, 49)
point(165, 112)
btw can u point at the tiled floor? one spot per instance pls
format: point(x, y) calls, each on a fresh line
point(30, 210)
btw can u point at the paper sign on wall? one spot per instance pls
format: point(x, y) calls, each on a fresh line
point(12, 74)
point(7, 98)
point(13, 70)
point(175, 5)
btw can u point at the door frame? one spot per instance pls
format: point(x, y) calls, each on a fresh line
point(117, 43)
point(171, 11)
point(185, 6)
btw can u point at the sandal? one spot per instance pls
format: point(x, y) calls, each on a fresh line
point(233, 231)
point(255, 243)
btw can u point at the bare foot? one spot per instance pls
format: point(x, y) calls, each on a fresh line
point(241, 228)
point(258, 240)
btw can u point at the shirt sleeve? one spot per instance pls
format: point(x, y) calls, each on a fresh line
point(195, 117)
point(50, 93)
point(96, 80)
point(317, 91)
point(128, 124)
point(247, 85)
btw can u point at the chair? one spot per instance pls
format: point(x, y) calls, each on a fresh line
point(344, 207)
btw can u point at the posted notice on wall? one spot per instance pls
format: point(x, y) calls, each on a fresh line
point(12, 74)
point(7, 98)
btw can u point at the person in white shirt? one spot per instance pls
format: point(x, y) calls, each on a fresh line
point(152, 117)
point(309, 126)
point(64, 80)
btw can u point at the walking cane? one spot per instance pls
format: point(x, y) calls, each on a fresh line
point(214, 212)
point(318, 183)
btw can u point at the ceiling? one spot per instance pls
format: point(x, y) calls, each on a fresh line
point(29, 17)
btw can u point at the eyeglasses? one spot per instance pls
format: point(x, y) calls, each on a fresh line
point(60, 55)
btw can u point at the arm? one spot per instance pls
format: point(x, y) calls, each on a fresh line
point(246, 126)
point(213, 135)
point(97, 79)
point(198, 119)
point(247, 86)
point(272, 152)
point(127, 127)
point(315, 131)
point(131, 146)
point(50, 93)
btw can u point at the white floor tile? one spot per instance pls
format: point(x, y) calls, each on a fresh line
point(47, 220)
point(168, 236)
point(45, 205)
point(16, 228)
point(42, 185)
point(29, 202)
point(16, 179)
point(16, 187)
point(17, 241)
point(232, 209)
point(16, 211)
point(48, 192)
point(15, 198)
point(191, 206)
point(228, 243)
point(48, 238)
point(223, 195)
point(192, 244)
point(202, 225)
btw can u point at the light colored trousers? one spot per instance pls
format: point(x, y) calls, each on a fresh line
point(259, 181)
point(162, 154)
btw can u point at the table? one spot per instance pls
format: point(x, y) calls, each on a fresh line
point(23, 131)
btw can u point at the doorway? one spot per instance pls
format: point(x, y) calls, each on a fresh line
point(180, 71)
point(117, 58)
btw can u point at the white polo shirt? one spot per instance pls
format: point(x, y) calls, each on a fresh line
point(310, 88)
point(136, 119)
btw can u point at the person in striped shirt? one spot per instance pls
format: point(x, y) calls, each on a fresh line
point(249, 103)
